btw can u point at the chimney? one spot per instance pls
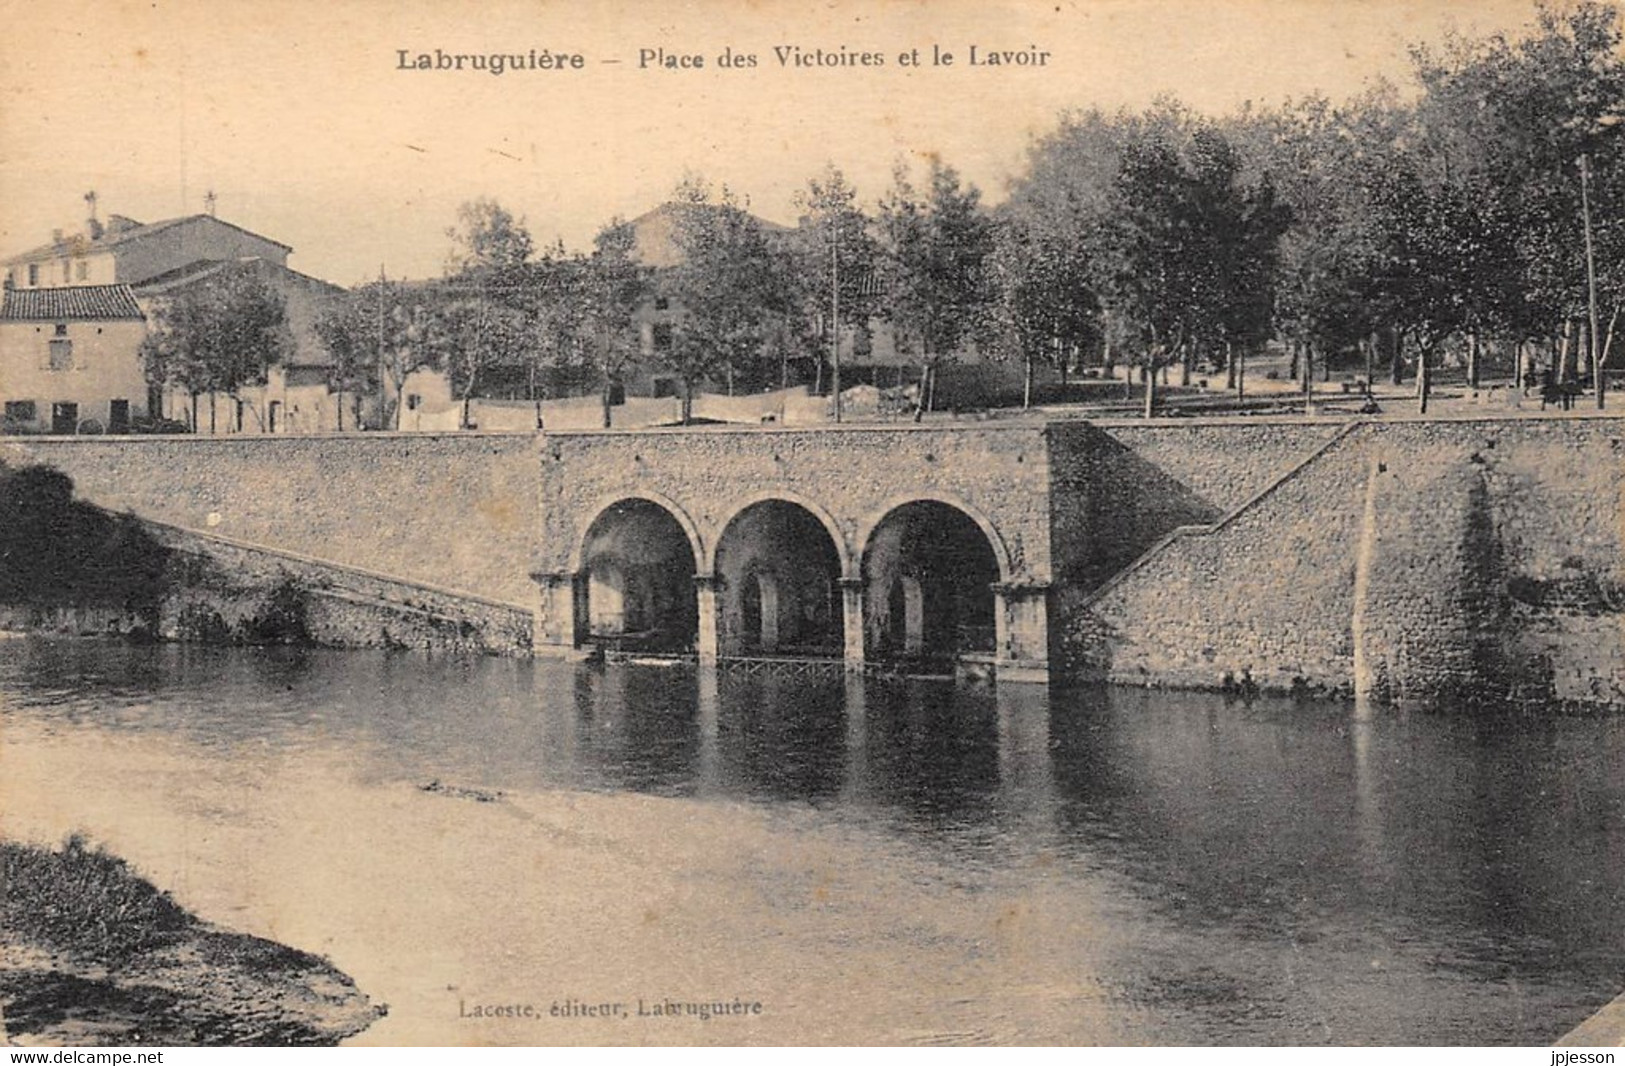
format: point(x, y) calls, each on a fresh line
point(93, 225)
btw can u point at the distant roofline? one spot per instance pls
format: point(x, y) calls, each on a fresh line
point(159, 284)
point(110, 241)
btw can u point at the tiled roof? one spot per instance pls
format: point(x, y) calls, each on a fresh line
point(75, 302)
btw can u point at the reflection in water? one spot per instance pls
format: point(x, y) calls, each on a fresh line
point(1274, 871)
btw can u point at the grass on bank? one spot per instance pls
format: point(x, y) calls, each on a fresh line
point(83, 901)
point(93, 954)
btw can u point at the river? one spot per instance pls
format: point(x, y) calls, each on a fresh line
point(882, 861)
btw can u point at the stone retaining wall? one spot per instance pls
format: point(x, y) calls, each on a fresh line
point(1410, 561)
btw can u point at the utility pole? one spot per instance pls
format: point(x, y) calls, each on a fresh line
point(835, 311)
point(1591, 276)
point(383, 396)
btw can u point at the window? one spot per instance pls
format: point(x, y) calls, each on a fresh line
point(33, 274)
point(61, 355)
point(413, 401)
point(67, 267)
point(61, 329)
point(20, 413)
point(82, 270)
point(118, 416)
point(661, 338)
point(662, 303)
point(64, 419)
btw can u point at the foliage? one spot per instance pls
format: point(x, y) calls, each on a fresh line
point(835, 258)
point(731, 292)
point(608, 288)
point(221, 335)
point(83, 901)
point(56, 551)
point(487, 237)
point(935, 247)
point(378, 334)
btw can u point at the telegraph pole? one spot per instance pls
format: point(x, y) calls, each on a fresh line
point(835, 312)
point(1591, 276)
point(383, 395)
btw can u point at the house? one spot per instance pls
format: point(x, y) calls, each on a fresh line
point(295, 396)
point(126, 252)
point(120, 273)
point(69, 359)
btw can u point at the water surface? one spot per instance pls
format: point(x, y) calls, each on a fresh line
point(947, 862)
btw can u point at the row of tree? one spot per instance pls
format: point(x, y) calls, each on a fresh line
point(745, 303)
point(1485, 211)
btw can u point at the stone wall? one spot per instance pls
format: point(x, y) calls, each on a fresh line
point(850, 476)
point(223, 591)
point(1411, 560)
point(457, 511)
point(1408, 559)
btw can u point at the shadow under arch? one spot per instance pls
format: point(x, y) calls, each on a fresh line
point(929, 571)
point(637, 562)
point(778, 565)
point(691, 530)
point(1001, 553)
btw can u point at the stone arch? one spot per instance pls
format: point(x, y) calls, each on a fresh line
point(778, 566)
point(843, 550)
point(1001, 553)
point(635, 587)
point(602, 505)
point(931, 571)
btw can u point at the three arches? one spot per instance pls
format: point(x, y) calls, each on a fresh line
point(781, 579)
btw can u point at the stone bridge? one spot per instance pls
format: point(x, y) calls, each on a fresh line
point(862, 543)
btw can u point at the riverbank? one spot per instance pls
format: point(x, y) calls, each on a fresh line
point(95, 955)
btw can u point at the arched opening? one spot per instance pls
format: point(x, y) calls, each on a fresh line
point(929, 573)
point(639, 588)
point(778, 584)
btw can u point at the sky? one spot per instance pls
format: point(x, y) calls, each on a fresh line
point(297, 115)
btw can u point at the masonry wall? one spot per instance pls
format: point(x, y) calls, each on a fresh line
point(457, 511)
point(1412, 560)
point(222, 591)
point(854, 475)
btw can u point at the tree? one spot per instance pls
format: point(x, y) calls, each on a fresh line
point(486, 299)
point(396, 328)
point(484, 328)
point(220, 336)
point(487, 237)
point(1512, 123)
point(1046, 307)
point(834, 271)
point(935, 245)
point(609, 285)
point(731, 293)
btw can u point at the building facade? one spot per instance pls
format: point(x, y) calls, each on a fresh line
point(77, 309)
point(69, 359)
